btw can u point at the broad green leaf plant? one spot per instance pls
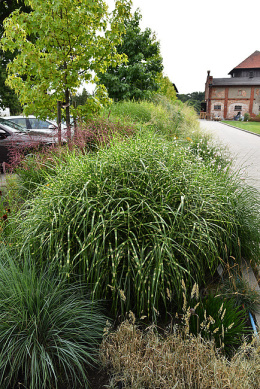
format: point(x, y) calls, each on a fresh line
point(138, 78)
point(62, 44)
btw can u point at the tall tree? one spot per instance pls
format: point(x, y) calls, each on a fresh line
point(59, 44)
point(166, 87)
point(8, 98)
point(138, 77)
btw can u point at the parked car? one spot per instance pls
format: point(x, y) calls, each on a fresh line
point(12, 126)
point(14, 138)
point(37, 126)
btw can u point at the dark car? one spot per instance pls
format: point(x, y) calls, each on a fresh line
point(14, 138)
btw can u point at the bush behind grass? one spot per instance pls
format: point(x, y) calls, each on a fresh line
point(49, 330)
point(162, 115)
point(135, 219)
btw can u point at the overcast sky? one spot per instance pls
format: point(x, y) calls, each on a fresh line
point(200, 35)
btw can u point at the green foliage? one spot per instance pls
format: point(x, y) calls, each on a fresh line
point(59, 49)
point(166, 88)
point(214, 155)
point(124, 119)
point(81, 98)
point(219, 319)
point(135, 219)
point(33, 170)
point(8, 6)
point(182, 118)
point(136, 79)
point(138, 112)
point(49, 331)
point(247, 117)
point(8, 98)
point(172, 119)
point(193, 99)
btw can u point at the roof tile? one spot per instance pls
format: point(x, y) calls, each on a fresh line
point(251, 62)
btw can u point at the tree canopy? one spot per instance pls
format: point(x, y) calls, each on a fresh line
point(81, 98)
point(138, 77)
point(166, 87)
point(8, 98)
point(194, 99)
point(60, 45)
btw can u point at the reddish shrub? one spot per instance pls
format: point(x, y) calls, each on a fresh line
point(88, 136)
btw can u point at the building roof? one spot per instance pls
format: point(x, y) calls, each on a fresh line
point(243, 81)
point(251, 62)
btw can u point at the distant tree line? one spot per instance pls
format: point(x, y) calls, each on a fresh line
point(193, 99)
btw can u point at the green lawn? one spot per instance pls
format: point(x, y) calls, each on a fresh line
point(249, 126)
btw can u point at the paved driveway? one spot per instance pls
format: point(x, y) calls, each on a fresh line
point(244, 149)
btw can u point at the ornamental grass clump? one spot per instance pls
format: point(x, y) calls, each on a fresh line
point(34, 168)
point(49, 330)
point(135, 219)
point(145, 359)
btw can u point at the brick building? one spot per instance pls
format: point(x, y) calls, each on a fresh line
point(225, 97)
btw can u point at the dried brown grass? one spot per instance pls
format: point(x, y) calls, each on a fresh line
point(143, 360)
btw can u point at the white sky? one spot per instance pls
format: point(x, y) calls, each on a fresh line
point(200, 35)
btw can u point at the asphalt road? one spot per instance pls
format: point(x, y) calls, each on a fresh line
point(244, 149)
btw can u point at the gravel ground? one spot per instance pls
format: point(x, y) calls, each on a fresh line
point(244, 148)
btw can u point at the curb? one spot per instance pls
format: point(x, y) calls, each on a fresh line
point(241, 129)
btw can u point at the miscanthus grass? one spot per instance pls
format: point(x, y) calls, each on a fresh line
point(135, 219)
point(34, 168)
point(49, 330)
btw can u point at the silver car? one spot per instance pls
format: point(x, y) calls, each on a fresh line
point(14, 138)
point(36, 126)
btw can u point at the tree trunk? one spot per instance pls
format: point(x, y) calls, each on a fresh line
point(59, 121)
point(67, 104)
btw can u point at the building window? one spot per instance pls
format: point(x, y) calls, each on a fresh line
point(238, 107)
point(217, 107)
point(251, 74)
